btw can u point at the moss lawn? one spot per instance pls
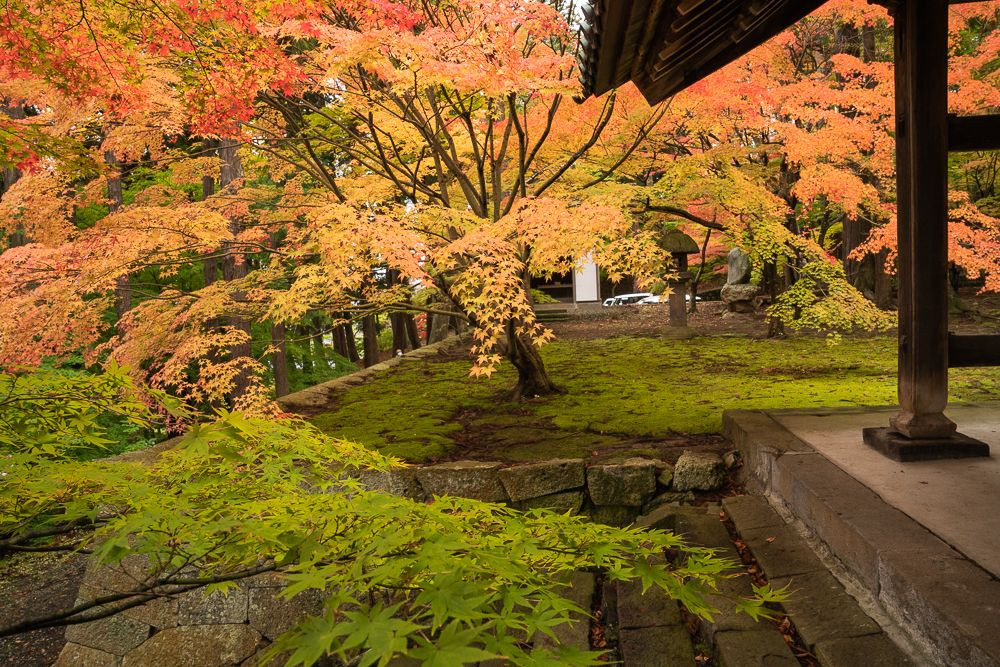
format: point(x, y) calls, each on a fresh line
point(624, 396)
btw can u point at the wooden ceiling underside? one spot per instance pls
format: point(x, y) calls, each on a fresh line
point(666, 45)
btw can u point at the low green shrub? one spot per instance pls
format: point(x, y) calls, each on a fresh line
point(448, 582)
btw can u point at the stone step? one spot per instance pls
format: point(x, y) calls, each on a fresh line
point(829, 621)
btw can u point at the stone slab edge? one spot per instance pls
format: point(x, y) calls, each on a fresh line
point(871, 538)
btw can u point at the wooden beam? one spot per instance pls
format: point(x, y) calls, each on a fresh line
point(969, 350)
point(921, 31)
point(974, 133)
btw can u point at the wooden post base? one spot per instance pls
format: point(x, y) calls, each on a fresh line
point(900, 448)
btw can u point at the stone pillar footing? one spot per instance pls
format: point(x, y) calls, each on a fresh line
point(900, 448)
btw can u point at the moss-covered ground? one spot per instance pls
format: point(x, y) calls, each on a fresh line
point(623, 395)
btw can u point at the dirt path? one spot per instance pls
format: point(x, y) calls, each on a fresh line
point(651, 320)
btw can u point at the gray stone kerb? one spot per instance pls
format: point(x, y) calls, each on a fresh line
point(946, 602)
point(610, 492)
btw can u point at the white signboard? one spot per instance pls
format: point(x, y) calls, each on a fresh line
point(586, 282)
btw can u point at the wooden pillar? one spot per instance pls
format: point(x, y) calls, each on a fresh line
point(921, 30)
point(920, 430)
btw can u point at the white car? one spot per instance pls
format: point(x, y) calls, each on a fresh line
point(627, 299)
point(658, 299)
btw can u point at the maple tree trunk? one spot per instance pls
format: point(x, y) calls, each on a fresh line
point(532, 378)
point(696, 279)
point(279, 360)
point(775, 327)
point(369, 333)
point(438, 327)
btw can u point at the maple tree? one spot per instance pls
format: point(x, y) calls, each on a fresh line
point(435, 142)
point(341, 160)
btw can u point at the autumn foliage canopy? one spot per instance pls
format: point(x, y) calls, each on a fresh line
point(183, 178)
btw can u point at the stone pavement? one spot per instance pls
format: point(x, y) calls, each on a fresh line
point(826, 624)
point(918, 538)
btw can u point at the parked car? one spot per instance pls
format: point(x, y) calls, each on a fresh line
point(627, 299)
point(656, 298)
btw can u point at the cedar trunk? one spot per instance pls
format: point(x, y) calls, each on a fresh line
point(369, 332)
point(279, 360)
point(350, 342)
point(411, 330)
point(400, 340)
point(234, 267)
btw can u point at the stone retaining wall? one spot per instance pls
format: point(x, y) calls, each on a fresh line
point(187, 630)
point(235, 628)
point(612, 492)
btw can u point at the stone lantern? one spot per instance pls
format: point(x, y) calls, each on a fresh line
point(679, 245)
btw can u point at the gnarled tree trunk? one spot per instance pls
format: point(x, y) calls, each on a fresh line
point(532, 378)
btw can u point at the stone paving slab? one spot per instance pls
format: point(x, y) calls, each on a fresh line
point(823, 613)
point(662, 645)
point(781, 551)
point(78, 655)
point(704, 528)
point(751, 512)
point(642, 610)
point(868, 651)
point(577, 634)
point(821, 608)
point(827, 618)
point(753, 648)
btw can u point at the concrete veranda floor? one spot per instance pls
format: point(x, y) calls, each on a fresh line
point(957, 500)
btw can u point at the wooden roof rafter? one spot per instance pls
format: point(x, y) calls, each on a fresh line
point(666, 45)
